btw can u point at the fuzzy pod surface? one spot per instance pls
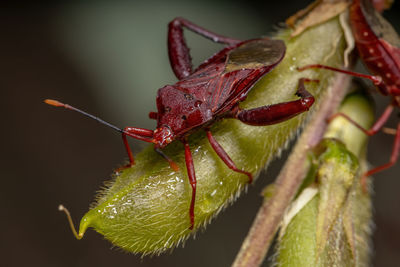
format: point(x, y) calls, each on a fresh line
point(144, 209)
point(333, 228)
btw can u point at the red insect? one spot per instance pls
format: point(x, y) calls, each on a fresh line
point(378, 46)
point(211, 92)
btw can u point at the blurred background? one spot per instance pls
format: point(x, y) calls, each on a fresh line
point(109, 58)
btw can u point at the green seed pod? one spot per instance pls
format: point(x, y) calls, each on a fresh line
point(145, 208)
point(332, 227)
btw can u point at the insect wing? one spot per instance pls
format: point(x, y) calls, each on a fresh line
point(225, 77)
point(255, 54)
point(244, 66)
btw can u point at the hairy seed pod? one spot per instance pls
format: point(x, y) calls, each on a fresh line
point(144, 209)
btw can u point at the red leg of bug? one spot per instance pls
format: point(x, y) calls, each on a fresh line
point(129, 151)
point(192, 180)
point(374, 79)
point(144, 135)
point(272, 114)
point(138, 133)
point(377, 125)
point(377, 80)
point(179, 52)
point(224, 156)
point(393, 159)
point(373, 130)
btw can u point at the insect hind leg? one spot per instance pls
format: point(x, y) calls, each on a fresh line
point(276, 113)
point(379, 123)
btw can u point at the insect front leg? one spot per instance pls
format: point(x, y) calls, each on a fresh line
point(272, 114)
point(224, 156)
point(192, 180)
point(137, 133)
point(178, 50)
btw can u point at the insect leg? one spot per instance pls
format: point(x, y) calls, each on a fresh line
point(272, 114)
point(129, 151)
point(377, 125)
point(178, 51)
point(373, 130)
point(377, 80)
point(393, 158)
point(192, 180)
point(224, 156)
point(137, 133)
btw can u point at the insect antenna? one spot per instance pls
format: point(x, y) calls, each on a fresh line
point(59, 104)
point(71, 223)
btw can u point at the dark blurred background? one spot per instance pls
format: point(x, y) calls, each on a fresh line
point(109, 58)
